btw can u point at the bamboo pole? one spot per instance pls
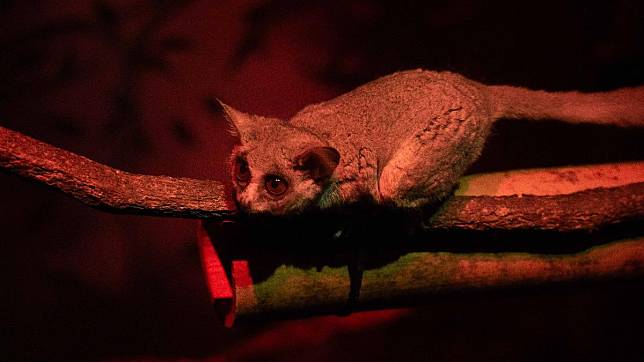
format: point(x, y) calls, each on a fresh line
point(297, 288)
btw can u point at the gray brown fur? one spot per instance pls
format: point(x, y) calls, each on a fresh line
point(403, 139)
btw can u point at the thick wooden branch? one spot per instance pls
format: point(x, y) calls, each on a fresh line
point(113, 190)
point(564, 199)
point(107, 188)
point(583, 210)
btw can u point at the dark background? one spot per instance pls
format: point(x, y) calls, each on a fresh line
point(130, 84)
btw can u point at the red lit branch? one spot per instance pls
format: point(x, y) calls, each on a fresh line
point(588, 209)
point(113, 190)
point(107, 188)
point(584, 198)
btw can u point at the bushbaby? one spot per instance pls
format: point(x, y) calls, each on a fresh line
point(402, 140)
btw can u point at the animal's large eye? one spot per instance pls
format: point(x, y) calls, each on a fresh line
point(242, 172)
point(275, 185)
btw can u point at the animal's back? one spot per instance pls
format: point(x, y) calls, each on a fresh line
point(404, 139)
point(385, 112)
point(433, 113)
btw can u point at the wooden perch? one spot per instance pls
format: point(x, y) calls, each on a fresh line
point(583, 210)
point(409, 280)
point(113, 190)
point(563, 199)
point(107, 188)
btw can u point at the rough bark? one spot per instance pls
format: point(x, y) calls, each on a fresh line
point(113, 190)
point(588, 209)
point(107, 188)
point(290, 289)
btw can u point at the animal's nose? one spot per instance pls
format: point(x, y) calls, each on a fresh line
point(242, 204)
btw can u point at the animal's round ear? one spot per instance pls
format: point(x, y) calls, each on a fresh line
point(318, 162)
point(240, 122)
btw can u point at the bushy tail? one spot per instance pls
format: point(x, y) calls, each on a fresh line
point(623, 107)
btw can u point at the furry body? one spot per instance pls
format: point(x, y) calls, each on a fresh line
point(403, 139)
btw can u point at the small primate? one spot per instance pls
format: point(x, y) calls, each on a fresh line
point(401, 140)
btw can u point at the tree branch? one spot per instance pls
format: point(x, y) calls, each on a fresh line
point(583, 210)
point(107, 188)
point(592, 197)
point(112, 190)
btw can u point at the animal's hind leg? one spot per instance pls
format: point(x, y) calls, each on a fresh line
point(428, 163)
point(418, 174)
point(398, 178)
point(426, 168)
